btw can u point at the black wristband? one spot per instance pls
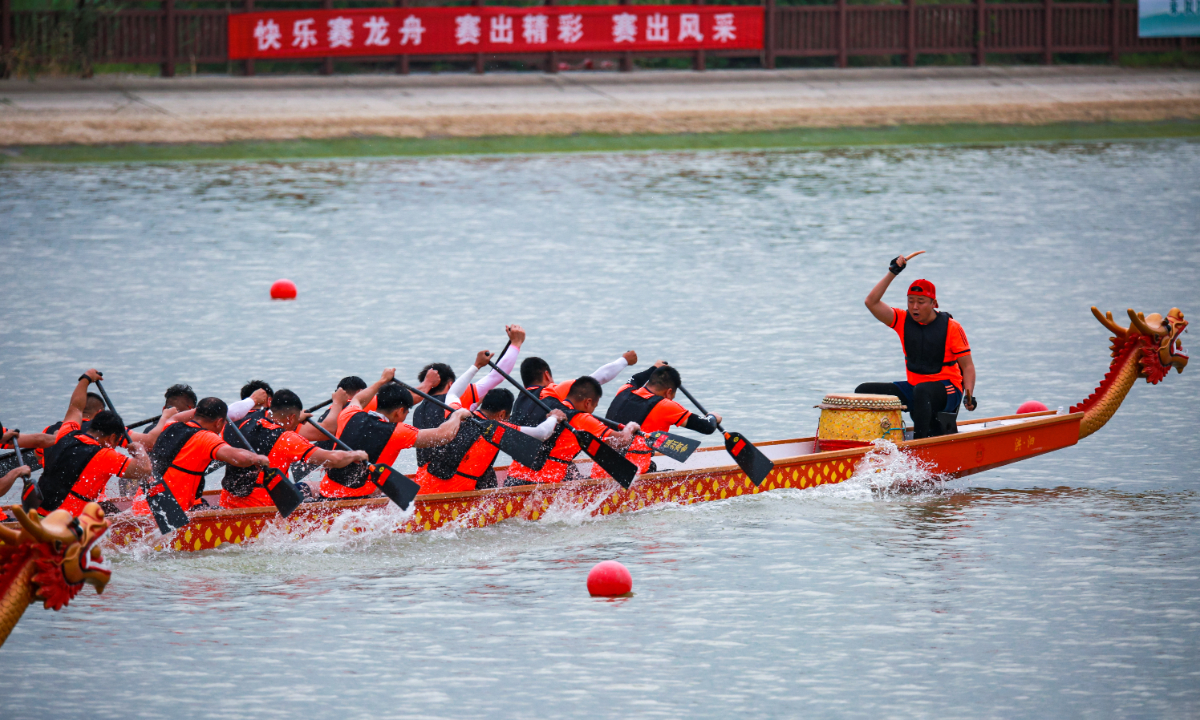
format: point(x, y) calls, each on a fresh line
point(894, 268)
point(85, 377)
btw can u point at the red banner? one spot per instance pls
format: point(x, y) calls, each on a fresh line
point(493, 30)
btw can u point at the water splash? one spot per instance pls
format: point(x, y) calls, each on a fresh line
point(887, 473)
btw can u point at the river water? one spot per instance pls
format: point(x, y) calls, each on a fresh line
point(1063, 586)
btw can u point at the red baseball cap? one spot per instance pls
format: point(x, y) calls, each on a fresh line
point(923, 287)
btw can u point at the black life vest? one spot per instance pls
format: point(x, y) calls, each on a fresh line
point(925, 345)
point(525, 411)
point(428, 416)
point(363, 431)
point(170, 442)
point(629, 407)
point(262, 435)
point(65, 462)
point(448, 463)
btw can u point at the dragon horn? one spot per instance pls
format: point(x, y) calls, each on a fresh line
point(1107, 321)
point(40, 532)
point(1139, 322)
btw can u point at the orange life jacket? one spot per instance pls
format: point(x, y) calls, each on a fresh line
point(465, 463)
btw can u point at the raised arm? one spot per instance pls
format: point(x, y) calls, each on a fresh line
point(79, 396)
point(605, 373)
point(364, 397)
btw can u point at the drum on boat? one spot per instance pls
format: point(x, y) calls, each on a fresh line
point(855, 420)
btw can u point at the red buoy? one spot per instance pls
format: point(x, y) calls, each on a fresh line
point(609, 579)
point(283, 290)
point(1031, 406)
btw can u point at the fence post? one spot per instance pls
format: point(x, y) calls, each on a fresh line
point(1048, 30)
point(911, 58)
point(981, 30)
point(626, 56)
point(551, 57)
point(248, 63)
point(1115, 53)
point(168, 65)
point(402, 60)
point(479, 65)
point(769, 21)
point(843, 53)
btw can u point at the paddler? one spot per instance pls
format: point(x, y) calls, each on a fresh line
point(382, 433)
point(577, 399)
point(467, 460)
point(180, 396)
point(537, 378)
point(648, 399)
point(92, 404)
point(937, 357)
point(6, 481)
point(81, 461)
point(273, 434)
point(185, 448)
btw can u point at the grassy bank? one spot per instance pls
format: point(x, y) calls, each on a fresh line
point(800, 138)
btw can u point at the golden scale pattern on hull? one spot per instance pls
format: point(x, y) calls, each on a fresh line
point(471, 510)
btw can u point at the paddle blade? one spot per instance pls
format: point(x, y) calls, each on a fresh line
point(749, 458)
point(31, 496)
point(399, 488)
point(167, 513)
point(523, 448)
point(610, 460)
point(675, 447)
point(283, 493)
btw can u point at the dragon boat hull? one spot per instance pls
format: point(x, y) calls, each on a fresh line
point(708, 475)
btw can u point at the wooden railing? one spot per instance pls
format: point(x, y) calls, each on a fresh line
point(170, 33)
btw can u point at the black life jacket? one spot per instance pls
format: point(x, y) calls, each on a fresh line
point(428, 416)
point(262, 435)
point(925, 345)
point(448, 463)
point(525, 411)
point(167, 447)
point(65, 462)
point(229, 436)
point(364, 431)
point(629, 407)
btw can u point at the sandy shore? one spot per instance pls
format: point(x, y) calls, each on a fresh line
point(220, 109)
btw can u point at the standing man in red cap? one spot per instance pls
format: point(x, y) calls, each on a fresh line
point(937, 357)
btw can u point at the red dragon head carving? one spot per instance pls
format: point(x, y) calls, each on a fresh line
point(1155, 335)
point(65, 550)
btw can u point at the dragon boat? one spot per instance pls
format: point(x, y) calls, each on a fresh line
point(1148, 348)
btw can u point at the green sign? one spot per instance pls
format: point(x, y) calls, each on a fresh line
point(1168, 18)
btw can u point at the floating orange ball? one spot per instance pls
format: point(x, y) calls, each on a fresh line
point(283, 290)
point(609, 579)
point(1031, 406)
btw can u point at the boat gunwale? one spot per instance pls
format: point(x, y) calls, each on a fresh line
point(1036, 420)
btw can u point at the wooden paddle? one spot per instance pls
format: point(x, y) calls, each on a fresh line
point(610, 460)
point(283, 493)
point(399, 488)
point(167, 513)
point(31, 495)
point(676, 447)
point(523, 448)
point(749, 458)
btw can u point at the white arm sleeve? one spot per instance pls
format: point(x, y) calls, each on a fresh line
point(507, 362)
point(240, 409)
point(607, 372)
point(454, 394)
point(541, 432)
